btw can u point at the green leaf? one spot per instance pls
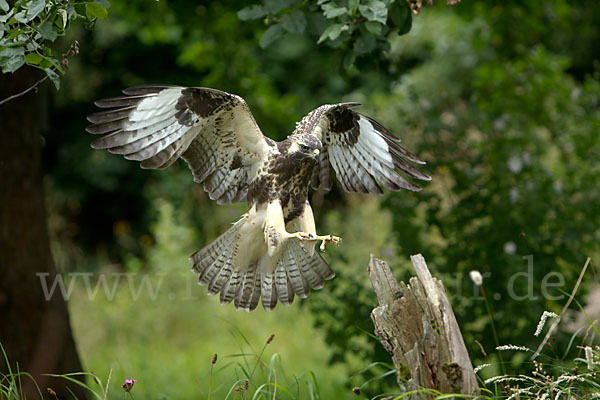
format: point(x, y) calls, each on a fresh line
point(11, 59)
point(374, 11)
point(62, 22)
point(365, 44)
point(353, 5)
point(374, 27)
point(47, 31)
point(7, 42)
point(7, 16)
point(272, 33)
point(401, 17)
point(294, 22)
point(53, 77)
point(252, 12)
point(4, 5)
point(21, 16)
point(48, 62)
point(33, 45)
point(34, 8)
point(95, 10)
point(33, 58)
point(72, 13)
point(330, 10)
point(332, 32)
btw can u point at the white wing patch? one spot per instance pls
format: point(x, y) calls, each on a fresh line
point(369, 138)
point(361, 152)
point(155, 105)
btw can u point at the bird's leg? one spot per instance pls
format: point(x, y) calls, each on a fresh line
point(274, 228)
point(309, 237)
point(307, 232)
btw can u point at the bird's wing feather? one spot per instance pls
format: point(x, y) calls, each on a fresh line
point(362, 153)
point(213, 131)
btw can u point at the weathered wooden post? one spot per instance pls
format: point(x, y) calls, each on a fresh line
point(416, 325)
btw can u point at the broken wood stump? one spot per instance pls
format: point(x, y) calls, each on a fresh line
point(416, 325)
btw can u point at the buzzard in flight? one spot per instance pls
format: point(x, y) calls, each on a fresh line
point(269, 252)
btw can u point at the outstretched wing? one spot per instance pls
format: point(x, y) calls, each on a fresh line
point(362, 153)
point(213, 131)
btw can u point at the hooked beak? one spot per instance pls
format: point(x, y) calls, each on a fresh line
point(315, 154)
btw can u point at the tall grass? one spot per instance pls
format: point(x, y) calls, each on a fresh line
point(558, 375)
point(167, 343)
point(11, 383)
point(243, 376)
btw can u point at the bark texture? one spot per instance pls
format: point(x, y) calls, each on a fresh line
point(416, 325)
point(35, 332)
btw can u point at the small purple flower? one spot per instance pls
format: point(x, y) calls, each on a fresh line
point(128, 385)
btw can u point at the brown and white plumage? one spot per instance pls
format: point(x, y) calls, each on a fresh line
point(269, 253)
point(360, 151)
point(213, 131)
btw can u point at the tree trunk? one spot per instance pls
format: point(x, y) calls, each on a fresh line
point(416, 325)
point(35, 332)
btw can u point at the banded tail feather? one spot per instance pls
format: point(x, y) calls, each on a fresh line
point(296, 273)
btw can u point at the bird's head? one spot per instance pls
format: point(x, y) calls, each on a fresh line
point(305, 146)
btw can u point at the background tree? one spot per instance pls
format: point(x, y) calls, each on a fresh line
point(35, 330)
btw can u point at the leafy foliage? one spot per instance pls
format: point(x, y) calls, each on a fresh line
point(511, 175)
point(28, 29)
point(356, 28)
point(250, 374)
point(512, 145)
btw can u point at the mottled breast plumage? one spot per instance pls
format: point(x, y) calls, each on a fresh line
point(286, 175)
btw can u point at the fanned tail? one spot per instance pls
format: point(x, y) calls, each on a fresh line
point(296, 273)
point(248, 292)
point(213, 262)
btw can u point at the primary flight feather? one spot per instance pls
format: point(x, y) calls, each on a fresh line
point(269, 253)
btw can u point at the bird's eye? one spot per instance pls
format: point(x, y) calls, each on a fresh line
point(304, 147)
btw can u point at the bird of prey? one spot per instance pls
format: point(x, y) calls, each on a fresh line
point(269, 252)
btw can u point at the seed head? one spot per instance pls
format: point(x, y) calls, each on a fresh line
point(476, 277)
point(589, 357)
point(543, 318)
